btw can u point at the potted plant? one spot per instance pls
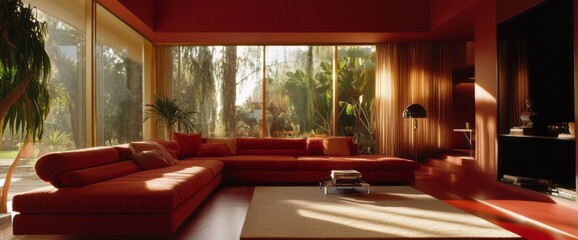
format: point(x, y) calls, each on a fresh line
point(24, 74)
point(168, 112)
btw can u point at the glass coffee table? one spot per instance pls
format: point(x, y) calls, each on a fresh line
point(328, 186)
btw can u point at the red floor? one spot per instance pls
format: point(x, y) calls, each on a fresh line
point(533, 217)
point(530, 217)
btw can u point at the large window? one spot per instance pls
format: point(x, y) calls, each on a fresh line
point(226, 87)
point(119, 54)
point(119, 81)
point(356, 94)
point(66, 123)
point(299, 90)
point(223, 85)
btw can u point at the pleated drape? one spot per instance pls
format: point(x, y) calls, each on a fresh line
point(410, 73)
point(162, 82)
point(513, 84)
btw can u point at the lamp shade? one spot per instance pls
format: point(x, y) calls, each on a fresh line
point(414, 111)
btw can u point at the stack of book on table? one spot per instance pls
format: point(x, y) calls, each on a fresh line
point(543, 185)
point(342, 177)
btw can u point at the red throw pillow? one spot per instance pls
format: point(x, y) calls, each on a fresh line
point(213, 150)
point(188, 144)
point(314, 146)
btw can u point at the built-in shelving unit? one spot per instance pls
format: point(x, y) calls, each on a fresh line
point(536, 61)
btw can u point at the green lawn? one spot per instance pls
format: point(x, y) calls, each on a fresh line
point(8, 154)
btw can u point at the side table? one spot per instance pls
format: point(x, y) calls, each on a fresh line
point(468, 134)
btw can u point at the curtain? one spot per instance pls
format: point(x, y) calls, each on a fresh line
point(410, 73)
point(162, 82)
point(513, 84)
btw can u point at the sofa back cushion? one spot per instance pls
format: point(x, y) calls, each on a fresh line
point(213, 150)
point(51, 166)
point(87, 176)
point(315, 146)
point(231, 143)
point(271, 146)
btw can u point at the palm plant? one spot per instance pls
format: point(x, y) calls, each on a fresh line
point(168, 112)
point(24, 73)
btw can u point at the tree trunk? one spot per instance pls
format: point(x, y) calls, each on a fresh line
point(6, 187)
point(310, 88)
point(229, 90)
point(7, 101)
point(134, 82)
point(203, 89)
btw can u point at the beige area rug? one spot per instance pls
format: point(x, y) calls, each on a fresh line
point(389, 212)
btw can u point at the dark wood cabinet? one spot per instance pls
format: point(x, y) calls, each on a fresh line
point(550, 158)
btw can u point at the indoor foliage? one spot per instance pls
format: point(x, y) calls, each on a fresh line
point(24, 74)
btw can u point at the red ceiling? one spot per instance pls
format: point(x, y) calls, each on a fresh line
point(296, 21)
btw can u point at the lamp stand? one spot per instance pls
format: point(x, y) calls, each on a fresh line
point(413, 132)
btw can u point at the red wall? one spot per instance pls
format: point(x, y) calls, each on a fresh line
point(463, 111)
point(290, 16)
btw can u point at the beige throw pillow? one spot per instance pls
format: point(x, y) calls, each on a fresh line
point(141, 146)
point(149, 159)
point(336, 146)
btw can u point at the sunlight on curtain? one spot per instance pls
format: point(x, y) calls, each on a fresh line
point(410, 73)
point(161, 88)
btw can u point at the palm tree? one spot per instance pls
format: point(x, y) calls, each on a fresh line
point(24, 72)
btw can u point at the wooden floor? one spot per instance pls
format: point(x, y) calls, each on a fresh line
point(530, 215)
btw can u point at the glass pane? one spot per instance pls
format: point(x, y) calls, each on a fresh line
point(222, 84)
point(119, 81)
point(65, 124)
point(299, 90)
point(356, 93)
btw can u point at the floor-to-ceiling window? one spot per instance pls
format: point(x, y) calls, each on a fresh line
point(222, 85)
point(299, 90)
point(226, 86)
point(356, 94)
point(84, 111)
point(119, 81)
point(65, 126)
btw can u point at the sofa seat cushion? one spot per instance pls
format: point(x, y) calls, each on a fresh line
point(153, 191)
point(358, 162)
point(215, 166)
point(258, 162)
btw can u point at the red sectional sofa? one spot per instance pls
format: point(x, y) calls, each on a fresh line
point(295, 161)
point(102, 191)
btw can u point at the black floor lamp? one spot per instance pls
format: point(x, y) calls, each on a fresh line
point(414, 111)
